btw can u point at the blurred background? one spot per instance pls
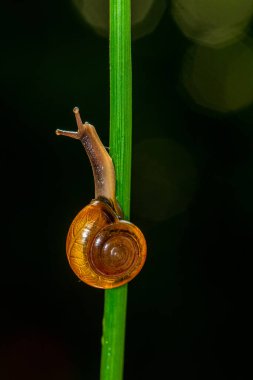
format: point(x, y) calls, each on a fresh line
point(192, 185)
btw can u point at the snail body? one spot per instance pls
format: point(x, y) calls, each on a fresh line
point(103, 250)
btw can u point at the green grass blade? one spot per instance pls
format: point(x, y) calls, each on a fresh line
point(121, 98)
point(112, 358)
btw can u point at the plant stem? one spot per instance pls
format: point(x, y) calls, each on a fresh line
point(112, 358)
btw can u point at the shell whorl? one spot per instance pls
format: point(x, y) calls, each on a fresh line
point(102, 250)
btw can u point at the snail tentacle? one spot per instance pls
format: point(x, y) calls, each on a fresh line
point(101, 162)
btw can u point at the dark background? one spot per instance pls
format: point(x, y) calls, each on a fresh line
point(188, 311)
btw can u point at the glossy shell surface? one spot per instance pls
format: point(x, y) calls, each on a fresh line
point(103, 250)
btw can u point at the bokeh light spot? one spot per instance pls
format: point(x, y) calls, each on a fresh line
point(146, 15)
point(212, 22)
point(220, 79)
point(164, 179)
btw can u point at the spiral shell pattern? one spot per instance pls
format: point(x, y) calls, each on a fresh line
point(102, 250)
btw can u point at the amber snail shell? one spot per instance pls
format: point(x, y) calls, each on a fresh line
point(103, 250)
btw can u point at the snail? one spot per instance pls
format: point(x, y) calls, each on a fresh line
point(103, 250)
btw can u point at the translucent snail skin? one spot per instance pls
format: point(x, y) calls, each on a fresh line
point(103, 250)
